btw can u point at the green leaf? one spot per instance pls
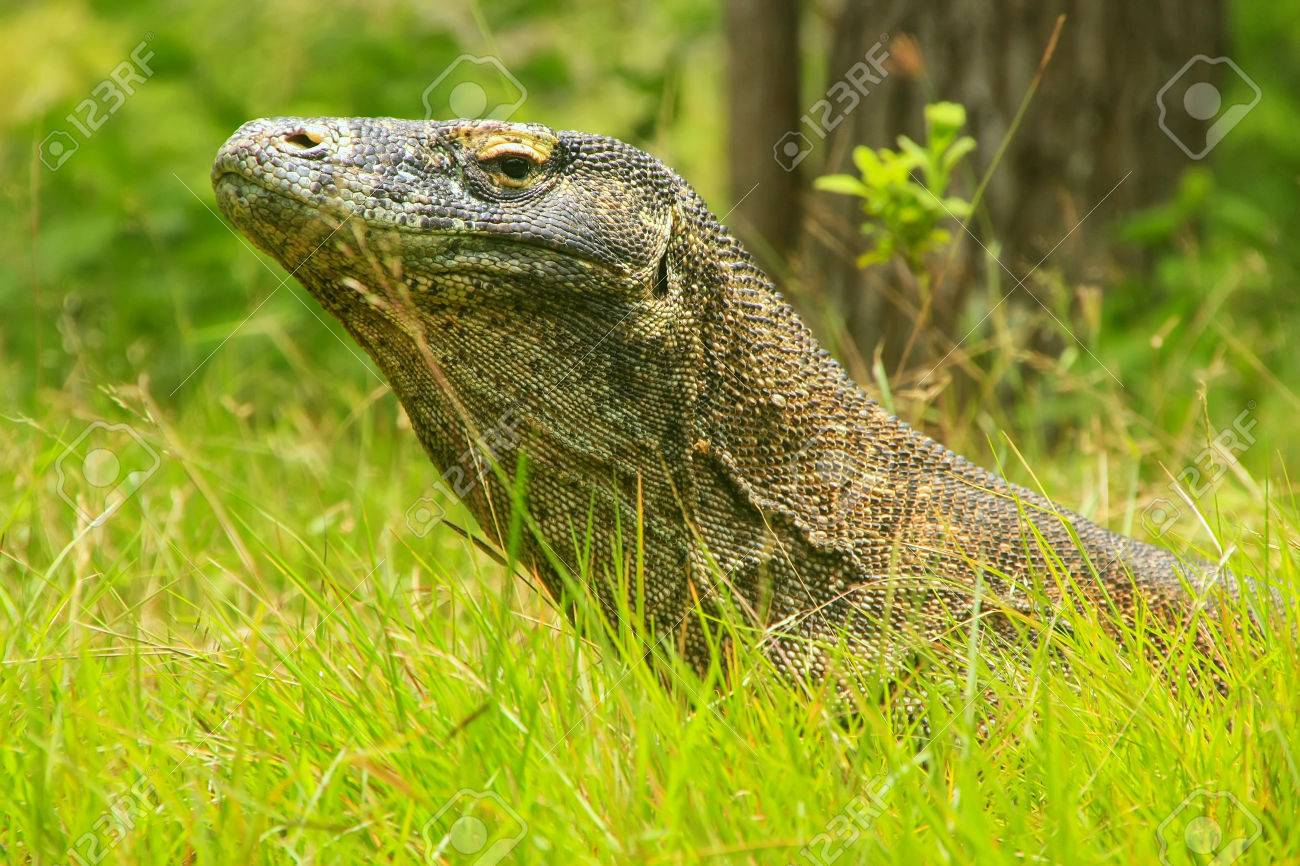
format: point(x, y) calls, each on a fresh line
point(918, 157)
point(912, 214)
point(843, 184)
point(943, 121)
point(866, 160)
point(958, 207)
point(944, 118)
point(879, 255)
point(956, 152)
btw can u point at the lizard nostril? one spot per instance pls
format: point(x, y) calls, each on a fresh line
point(302, 139)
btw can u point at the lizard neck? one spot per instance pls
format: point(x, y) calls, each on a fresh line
point(788, 426)
point(608, 422)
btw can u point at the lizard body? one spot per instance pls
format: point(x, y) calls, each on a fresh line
point(567, 297)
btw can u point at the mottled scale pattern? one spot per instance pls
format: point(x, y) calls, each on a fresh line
point(567, 296)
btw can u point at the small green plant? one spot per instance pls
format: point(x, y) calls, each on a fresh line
point(905, 212)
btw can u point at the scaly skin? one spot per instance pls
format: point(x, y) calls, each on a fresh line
point(567, 296)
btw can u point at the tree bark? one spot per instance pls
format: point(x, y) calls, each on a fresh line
point(1091, 138)
point(763, 75)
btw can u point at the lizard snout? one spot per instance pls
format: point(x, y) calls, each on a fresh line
point(272, 149)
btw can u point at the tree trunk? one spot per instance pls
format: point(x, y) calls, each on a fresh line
point(763, 74)
point(1091, 138)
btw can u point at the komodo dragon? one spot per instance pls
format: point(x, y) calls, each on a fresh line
point(567, 297)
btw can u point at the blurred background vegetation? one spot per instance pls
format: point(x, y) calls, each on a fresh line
point(1177, 291)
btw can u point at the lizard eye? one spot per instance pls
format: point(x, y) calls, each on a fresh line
point(511, 164)
point(514, 167)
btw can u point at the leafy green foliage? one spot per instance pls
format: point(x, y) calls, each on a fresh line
point(904, 214)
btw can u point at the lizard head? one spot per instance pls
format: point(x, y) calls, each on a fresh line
point(467, 213)
point(493, 270)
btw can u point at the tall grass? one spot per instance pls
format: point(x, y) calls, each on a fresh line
point(256, 659)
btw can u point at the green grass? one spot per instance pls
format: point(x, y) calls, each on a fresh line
point(259, 646)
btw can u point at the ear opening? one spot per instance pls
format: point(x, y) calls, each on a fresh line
point(660, 288)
